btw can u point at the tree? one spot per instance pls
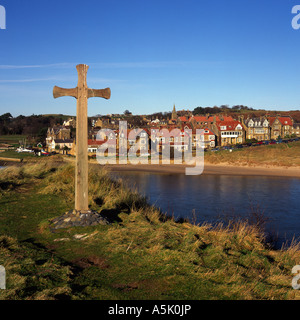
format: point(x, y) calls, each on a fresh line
point(236, 108)
point(127, 113)
point(66, 149)
point(42, 134)
point(6, 117)
point(224, 107)
point(199, 110)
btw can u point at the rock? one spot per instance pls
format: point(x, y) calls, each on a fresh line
point(90, 235)
point(79, 236)
point(76, 218)
point(61, 239)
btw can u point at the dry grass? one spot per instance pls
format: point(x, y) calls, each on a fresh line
point(233, 259)
point(14, 177)
point(285, 155)
point(104, 193)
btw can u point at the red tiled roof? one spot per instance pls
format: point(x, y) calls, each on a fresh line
point(230, 125)
point(99, 143)
point(210, 133)
point(282, 120)
point(184, 125)
point(183, 119)
point(228, 118)
point(92, 142)
point(199, 118)
point(271, 120)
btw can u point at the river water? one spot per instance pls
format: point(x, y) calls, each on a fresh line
point(214, 198)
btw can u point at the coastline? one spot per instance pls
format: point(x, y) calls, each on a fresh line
point(211, 169)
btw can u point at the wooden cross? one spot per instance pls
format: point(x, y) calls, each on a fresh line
point(81, 93)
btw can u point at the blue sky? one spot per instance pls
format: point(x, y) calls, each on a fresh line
point(151, 54)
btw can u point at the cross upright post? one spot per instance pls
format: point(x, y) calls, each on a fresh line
point(82, 93)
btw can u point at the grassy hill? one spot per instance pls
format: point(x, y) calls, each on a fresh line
point(284, 154)
point(141, 255)
point(12, 139)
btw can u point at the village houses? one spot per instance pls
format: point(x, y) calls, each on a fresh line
point(256, 128)
point(280, 126)
point(58, 138)
point(180, 131)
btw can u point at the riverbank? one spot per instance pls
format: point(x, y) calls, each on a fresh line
point(279, 160)
point(217, 169)
point(209, 168)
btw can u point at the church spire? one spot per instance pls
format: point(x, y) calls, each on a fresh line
point(174, 113)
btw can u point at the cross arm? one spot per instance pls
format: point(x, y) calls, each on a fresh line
point(61, 92)
point(100, 93)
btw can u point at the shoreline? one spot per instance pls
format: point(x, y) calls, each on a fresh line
point(210, 169)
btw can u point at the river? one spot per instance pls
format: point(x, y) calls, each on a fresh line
point(214, 198)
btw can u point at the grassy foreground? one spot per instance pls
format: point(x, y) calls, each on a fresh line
point(283, 155)
point(141, 255)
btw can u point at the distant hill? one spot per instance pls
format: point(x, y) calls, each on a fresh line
point(237, 111)
point(63, 116)
point(32, 126)
point(295, 114)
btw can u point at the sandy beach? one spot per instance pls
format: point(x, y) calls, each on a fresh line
point(220, 169)
point(209, 168)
